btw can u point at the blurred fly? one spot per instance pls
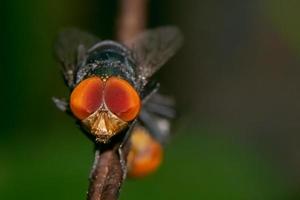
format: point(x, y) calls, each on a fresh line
point(110, 84)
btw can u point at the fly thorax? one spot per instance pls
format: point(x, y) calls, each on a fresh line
point(108, 62)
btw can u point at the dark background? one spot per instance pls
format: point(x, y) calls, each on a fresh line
point(236, 82)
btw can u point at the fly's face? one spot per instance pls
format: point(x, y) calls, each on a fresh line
point(105, 106)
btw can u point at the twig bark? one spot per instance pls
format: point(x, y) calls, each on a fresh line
point(107, 174)
point(132, 19)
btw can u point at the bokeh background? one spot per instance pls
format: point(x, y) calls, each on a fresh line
point(236, 82)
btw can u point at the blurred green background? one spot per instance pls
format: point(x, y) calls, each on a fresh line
point(236, 82)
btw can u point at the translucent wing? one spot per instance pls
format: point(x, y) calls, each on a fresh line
point(156, 114)
point(70, 46)
point(151, 49)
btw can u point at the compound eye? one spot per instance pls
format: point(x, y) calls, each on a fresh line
point(121, 99)
point(86, 98)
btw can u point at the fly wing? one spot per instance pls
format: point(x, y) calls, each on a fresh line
point(153, 48)
point(70, 46)
point(156, 115)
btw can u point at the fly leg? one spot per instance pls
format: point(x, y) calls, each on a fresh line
point(61, 104)
point(149, 90)
point(96, 160)
point(125, 144)
point(123, 163)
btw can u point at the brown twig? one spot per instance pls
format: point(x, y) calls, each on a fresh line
point(107, 174)
point(132, 19)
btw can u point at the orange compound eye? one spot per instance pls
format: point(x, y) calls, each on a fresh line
point(145, 155)
point(86, 98)
point(121, 99)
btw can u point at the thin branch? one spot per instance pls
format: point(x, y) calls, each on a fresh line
point(107, 174)
point(132, 19)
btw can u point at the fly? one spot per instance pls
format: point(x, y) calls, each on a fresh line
point(111, 85)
